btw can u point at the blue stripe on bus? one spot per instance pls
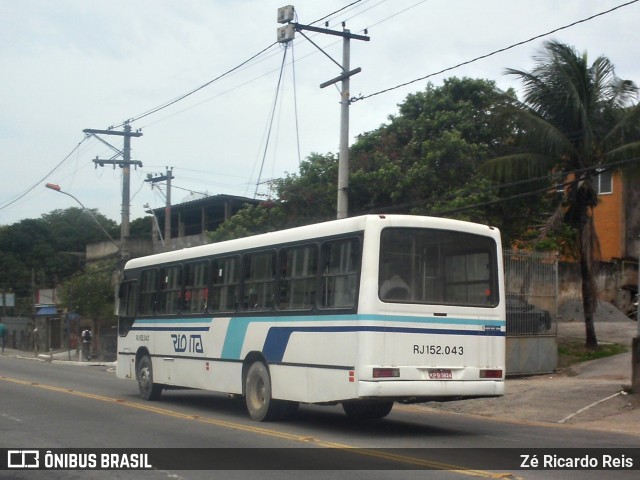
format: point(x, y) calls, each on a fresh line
point(172, 329)
point(237, 330)
point(278, 337)
point(172, 324)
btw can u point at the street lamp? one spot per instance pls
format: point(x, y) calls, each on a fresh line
point(53, 186)
point(155, 221)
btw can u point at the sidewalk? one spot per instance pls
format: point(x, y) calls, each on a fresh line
point(589, 395)
point(59, 356)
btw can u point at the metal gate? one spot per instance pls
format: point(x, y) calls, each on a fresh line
point(531, 284)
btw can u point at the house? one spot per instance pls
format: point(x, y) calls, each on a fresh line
point(617, 217)
point(616, 221)
point(188, 223)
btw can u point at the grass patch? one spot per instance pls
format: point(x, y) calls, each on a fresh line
point(572, 351)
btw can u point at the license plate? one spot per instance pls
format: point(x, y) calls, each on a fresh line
point(440, 374)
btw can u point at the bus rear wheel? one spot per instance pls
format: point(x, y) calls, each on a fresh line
point(367, 409)
point(258, 396)
point(144, 375)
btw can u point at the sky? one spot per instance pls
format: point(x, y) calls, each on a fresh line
point(71, 65)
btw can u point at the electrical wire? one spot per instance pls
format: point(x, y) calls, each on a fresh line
point(39, 182)
point(578, 173)
point(495, 52)
point(188, 94)
point(295, 104)
point(273, 111)
point(337, 11)
point(228, 72)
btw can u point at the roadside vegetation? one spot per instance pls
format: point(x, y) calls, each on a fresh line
point(572, 351)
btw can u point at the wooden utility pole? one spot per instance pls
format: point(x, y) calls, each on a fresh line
point(125, 163)
point(167, 210)
point(286, 34)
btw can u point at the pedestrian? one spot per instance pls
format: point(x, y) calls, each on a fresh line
point(87, 336)
point(3, 334)
point(36, 341)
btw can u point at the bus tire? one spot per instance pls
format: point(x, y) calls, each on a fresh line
point(367, 409)
point(258, 396)
point(144, 375)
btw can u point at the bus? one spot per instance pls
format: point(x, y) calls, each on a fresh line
point(363, 311)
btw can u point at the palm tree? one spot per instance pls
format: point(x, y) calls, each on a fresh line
point(576, 121)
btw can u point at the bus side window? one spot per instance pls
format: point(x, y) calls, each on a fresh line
point(148, 288)
point(224, 284)
point(170, 289)
point(341, 268)
point(127, 308)
point(259, 280)
point(196, 292)
point(298, 269)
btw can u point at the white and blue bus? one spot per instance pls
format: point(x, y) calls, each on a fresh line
point(363, 311)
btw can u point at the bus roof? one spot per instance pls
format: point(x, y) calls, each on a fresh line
point(310, 232)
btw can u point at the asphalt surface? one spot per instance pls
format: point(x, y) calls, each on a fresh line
point(591, 395)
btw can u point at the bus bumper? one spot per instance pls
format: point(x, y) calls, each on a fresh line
point(426, 389)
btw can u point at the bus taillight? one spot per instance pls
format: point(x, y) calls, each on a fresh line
point(490, 373)
point(386, 372)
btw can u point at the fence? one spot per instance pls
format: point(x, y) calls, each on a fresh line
point(531, 283)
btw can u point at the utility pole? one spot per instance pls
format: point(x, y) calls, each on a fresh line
point(167, 210)
point(125, 163)
point(287, 34)
point(635, 344)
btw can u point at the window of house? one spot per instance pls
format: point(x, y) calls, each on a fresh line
point(604, 182)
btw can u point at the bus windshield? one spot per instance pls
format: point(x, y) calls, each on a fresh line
point(430, 266)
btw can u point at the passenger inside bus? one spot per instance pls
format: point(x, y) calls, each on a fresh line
point(394, 288)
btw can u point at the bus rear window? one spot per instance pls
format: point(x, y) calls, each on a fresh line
point(438, 267)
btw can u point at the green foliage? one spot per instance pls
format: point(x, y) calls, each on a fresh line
point(573, 117)
point(571, 351)
point(141, 227)
point(425, 160)
point(251, 220)
point(47, 250)
point(91, 293)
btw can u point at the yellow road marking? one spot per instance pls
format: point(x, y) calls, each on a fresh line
point(405, 459)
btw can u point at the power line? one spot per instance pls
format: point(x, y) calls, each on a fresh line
point(495, 52)
point(337, 11)
point(578, 178)
point(39, 182)
point(197, 89)
point(188, 94)
point(273, 113)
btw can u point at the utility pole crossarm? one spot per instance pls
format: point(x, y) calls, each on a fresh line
point(339, 33)
point(112, 132)
point(125, 164)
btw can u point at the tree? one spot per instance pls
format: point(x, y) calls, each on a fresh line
point(90, 294)
point(426, 160)
point(577, 118)
point(46, 250)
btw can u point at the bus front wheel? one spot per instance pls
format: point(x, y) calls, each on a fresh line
point(144, 375)
point(366, 409)
point(258, 396)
